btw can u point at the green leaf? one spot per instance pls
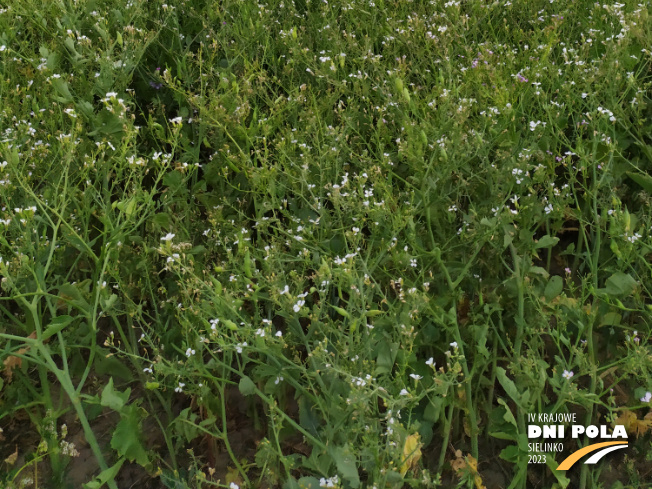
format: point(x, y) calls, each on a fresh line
point(611, 319)
point(107, 124)
point(510, 454)
point(503, 436)
point(246, 386)
point(112, 398)
point(546, 242)
point(554, 287)
point(105, 476)
point(386, 357)
point(560, 475)
point(112, 366)
point(346, 466)
point(56, 325)
point(126, 437)
point(508, 416)
point(308, 418)
point(508, 385)
point(643, 179)
point(162, 220)
point(620, 284)
point(71, 293)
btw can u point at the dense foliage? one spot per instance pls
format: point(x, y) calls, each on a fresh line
point(322, 244)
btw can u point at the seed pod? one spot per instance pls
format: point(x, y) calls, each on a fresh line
point(230, 324)
point(398, 83)
point(247, 264)
point(342, 312)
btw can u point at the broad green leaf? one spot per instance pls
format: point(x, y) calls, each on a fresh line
point(126, 437)
point(112, 398)
point(346, 465)
point(546, 242)
point(510, 454)
point(56, 325)
point(503, 436)
point(508, 416)
point(105, 476)
point(620, 284)
point(553, 288)
point(643, 179)
point(246, 386)
point(71, 293)
point(611, 319)
point(112, 366)
point(508, 385)
point(560, 475)
point(308, 417)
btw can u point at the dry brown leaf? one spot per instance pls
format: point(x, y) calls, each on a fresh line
point(13, 361)
point(11, 459)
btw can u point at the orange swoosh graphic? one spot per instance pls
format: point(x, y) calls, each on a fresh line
point(574, 457)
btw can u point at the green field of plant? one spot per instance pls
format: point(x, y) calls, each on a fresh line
point(318, 243)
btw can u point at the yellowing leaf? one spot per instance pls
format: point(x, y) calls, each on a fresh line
point(633, 425)
point(467, 467)
point(411, 452)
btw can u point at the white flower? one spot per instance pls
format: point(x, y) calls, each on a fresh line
point(647, 397)
point(168, 237)
point(180, 388)
point(190, 352)
point(567, 375)
point(430, 361)
point(233, 485)
point(403, 392)
point(454, 344)
point(416, 377)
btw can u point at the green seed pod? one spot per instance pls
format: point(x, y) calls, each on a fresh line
point(294, 33)
point(424, 138)
point(444, 155)
point(230, 324)
point(353, 326)
point(342, 312)
point(406, 94)
point(398, 83)
point(374, 312)
point(247, 264)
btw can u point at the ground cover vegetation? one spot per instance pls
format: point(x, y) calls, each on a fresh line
point(322, 243)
